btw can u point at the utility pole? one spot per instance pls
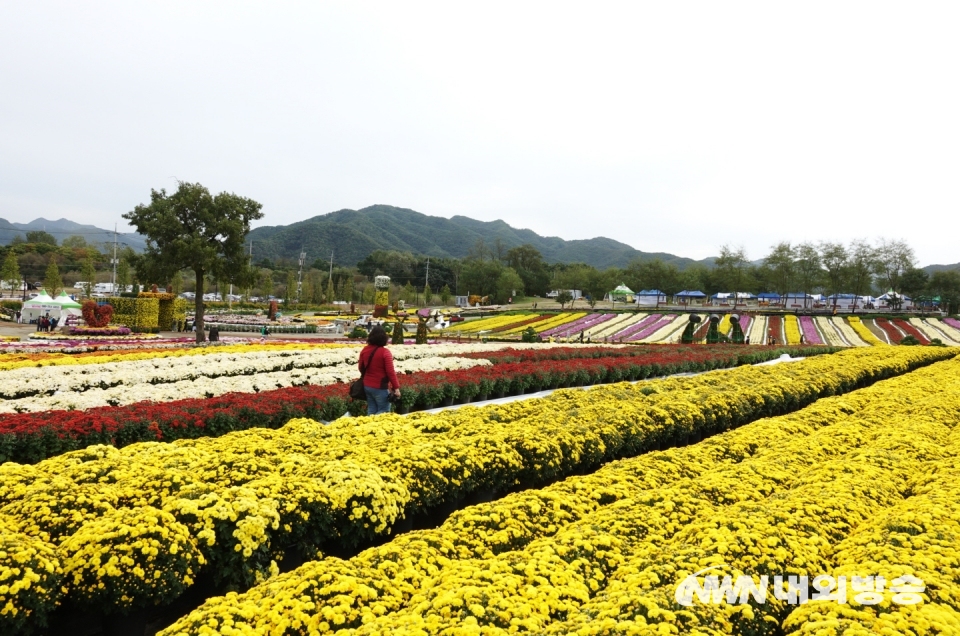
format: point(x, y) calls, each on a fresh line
point(331, 267)
point(427, 281)
point(113, 282)
point(303, 257)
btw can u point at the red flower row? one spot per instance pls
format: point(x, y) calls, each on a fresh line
point(775, 328)
point(910, 330)
point(895, 334)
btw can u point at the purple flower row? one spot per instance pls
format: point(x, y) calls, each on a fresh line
point(953, 322)
point(745, 321)
point(625, 333)
point(98, 331)
point(568, 330)
point(652, 329)
point(809, 330)
point(576, 325)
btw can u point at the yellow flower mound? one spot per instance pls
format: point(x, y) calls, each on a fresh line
point(128, 558)
point(864, 332)
point(725, 325)
point(30, 577)
point(524, 561)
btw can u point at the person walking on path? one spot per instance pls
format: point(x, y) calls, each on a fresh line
point(379, 377)
point(263, 334)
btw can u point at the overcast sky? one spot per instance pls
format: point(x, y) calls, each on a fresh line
point(673, 127)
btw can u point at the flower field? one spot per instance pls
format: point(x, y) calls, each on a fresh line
point(602, 553)
point(663, 328)
point(131, 529)
point(144, 478)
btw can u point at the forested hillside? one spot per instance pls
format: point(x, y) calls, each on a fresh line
point(352, 235)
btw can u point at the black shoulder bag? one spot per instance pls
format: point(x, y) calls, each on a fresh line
point(357, 390)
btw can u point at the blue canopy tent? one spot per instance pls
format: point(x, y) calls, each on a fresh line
point(894, 300)
point(797, 300)
point(725, 298)
point(650, 297)
point(687, 296)
point(842, 301)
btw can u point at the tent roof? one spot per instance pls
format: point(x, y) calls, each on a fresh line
point(692, 294)
point(650, 292)
point(42, 299)
point(622, 289)
point(65, 301)
point(723, 295)
point(766, 295)
point(892, 294)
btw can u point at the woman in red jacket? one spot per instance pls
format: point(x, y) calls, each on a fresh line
point(379, 378)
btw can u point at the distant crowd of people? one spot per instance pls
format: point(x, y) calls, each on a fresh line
point(46, 323)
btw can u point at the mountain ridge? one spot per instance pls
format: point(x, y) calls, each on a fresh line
point(62, 228)
point(353, 234)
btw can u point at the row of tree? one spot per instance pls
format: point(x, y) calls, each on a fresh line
point(859, 268)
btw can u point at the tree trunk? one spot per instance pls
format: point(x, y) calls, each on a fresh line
point(198, 308)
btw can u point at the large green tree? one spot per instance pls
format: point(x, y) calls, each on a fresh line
point(39, 236)
point(860, 259)
point(809, 270)
point(946, 285)
point(913, 282)
point(508, 285)
point(893, 260)
point(730, 267)
point(89, 275)
point(192, 229)
point(52, 282)
point(780, 264)
point(834, 261)
point(11, 271)
point(527, 261)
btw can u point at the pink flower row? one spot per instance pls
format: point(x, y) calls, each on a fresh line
point(651, 329)
point(809, 331)
point(626, 333)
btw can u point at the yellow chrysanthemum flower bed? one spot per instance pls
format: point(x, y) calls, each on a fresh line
point(30, 575)
point(791, 327)
point(560, 319)
point(864, 332)
point(247, 496)
point(129, 558)
point(832, 489)
point(485, 324)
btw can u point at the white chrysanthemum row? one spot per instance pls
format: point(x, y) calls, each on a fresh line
point(33, 381)
point(213, 386)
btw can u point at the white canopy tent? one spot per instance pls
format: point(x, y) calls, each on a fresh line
point(68, 306)
point(43, 305)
